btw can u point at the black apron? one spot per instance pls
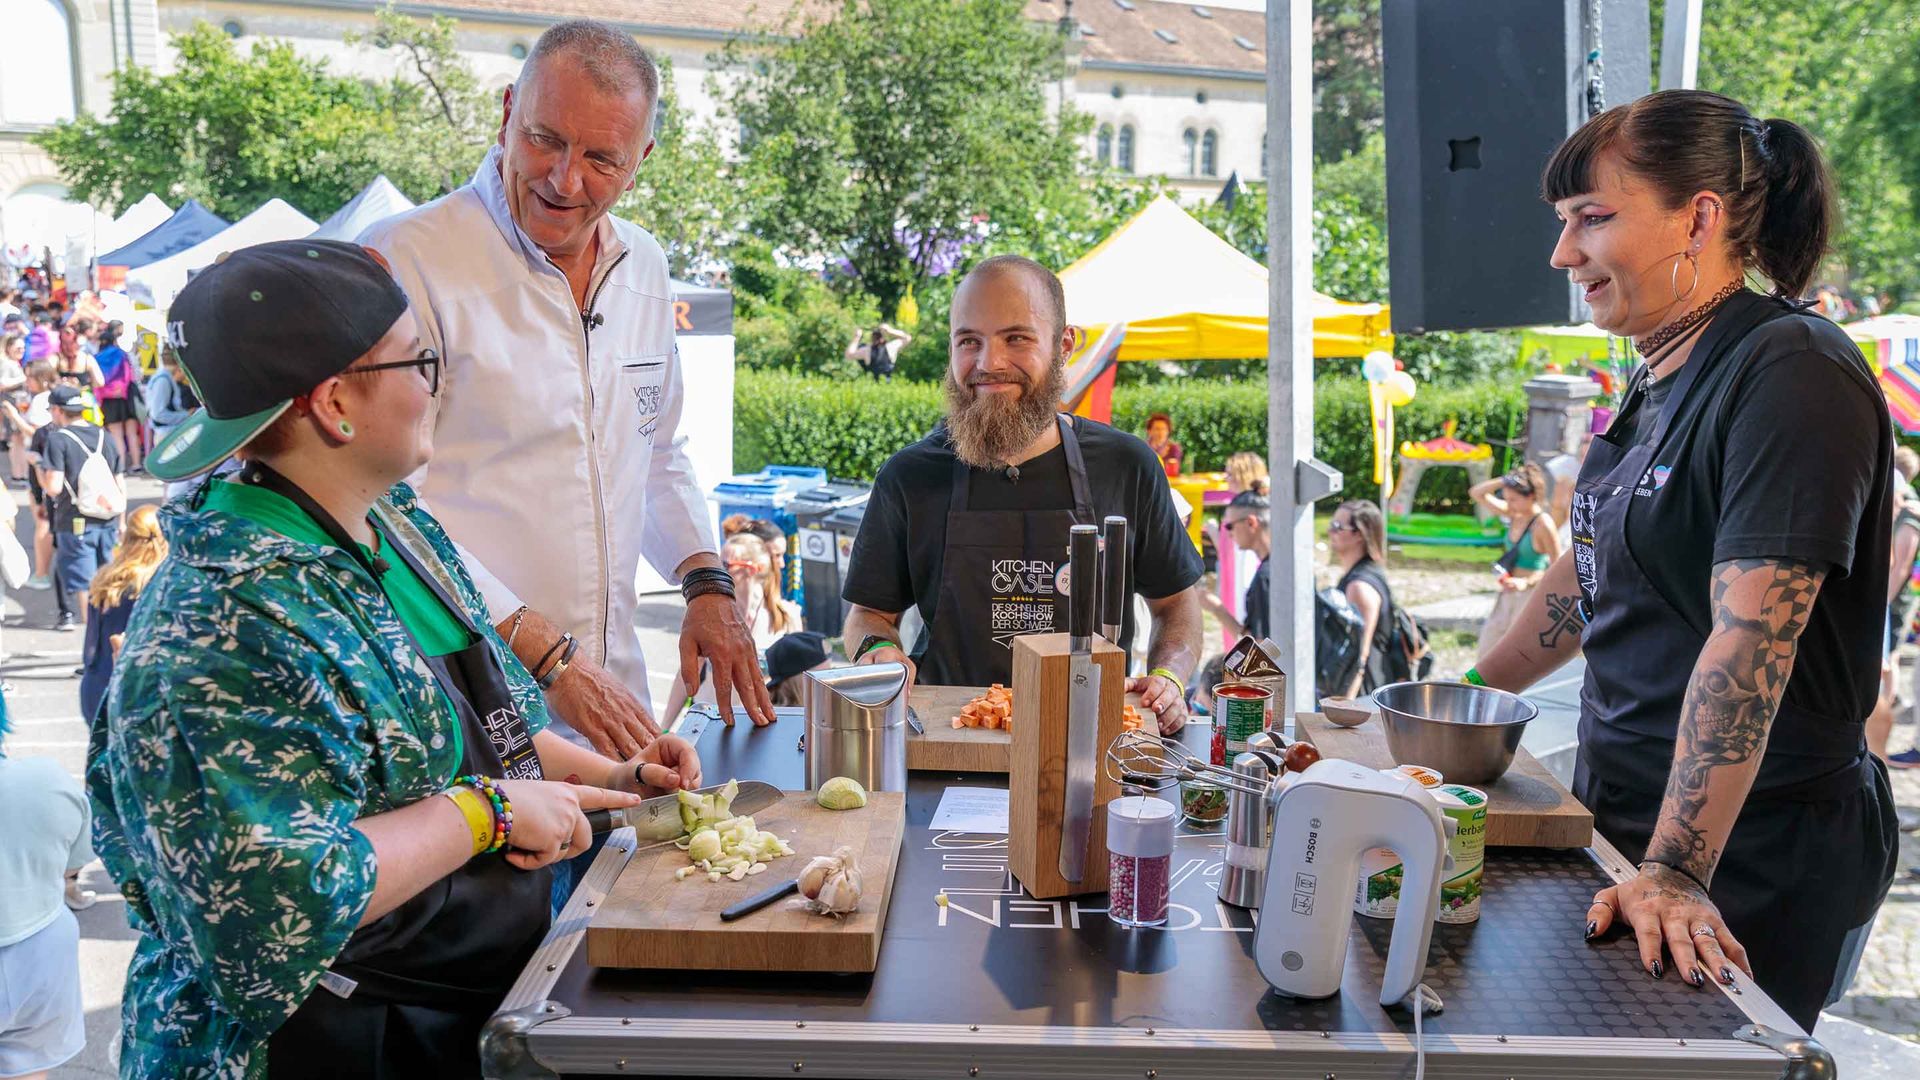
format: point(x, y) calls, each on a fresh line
point(1806, 862)
point(1000, 577)
point(424, 977)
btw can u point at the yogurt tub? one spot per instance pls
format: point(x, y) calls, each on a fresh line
point(1378, 893)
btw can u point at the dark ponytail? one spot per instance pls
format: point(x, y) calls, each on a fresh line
point(1770, 176)
point(1797, 220)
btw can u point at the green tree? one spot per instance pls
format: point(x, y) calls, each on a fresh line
point(234, 130)
point(685, 193)
point(885, 132)
point(1346, 76)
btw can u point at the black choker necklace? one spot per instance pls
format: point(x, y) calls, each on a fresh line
point(1655, 344)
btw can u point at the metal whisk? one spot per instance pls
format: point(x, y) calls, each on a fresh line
point(1143, 759)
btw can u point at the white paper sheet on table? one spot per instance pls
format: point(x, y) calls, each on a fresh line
point(971, 809)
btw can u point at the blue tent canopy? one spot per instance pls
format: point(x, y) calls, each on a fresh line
point(188, 226)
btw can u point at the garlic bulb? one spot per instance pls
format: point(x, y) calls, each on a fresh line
point(832, 883)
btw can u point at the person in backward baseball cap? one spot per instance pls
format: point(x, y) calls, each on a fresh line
point(326, 682)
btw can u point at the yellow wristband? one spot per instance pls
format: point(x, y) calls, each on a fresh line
point(478, 814)
point(1172, 678)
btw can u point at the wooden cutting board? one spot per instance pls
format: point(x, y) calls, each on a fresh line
point(649, 920)
point(1526, 807)
point(945, 748)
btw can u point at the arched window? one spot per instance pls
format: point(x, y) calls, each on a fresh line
point(1191, 140)
point(1103, 145)
point(1210, 154)
point(1126, 148)
point(36, 84)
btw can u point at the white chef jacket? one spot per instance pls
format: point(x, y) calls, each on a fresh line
point(557, 457)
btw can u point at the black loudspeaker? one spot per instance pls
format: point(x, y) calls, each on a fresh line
point(1478, 95)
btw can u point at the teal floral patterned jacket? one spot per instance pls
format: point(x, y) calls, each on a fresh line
point(266, 696)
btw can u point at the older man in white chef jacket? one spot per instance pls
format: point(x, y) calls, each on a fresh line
point(558, 463)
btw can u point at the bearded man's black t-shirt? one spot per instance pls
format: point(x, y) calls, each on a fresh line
point(897, 557)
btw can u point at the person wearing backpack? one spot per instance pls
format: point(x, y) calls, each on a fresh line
point(1357, 538)
point(80, 474)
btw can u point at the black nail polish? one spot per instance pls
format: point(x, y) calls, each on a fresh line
point(1697, 978)
point(1593, 927)
point(1726, 976)
point(1659, 970)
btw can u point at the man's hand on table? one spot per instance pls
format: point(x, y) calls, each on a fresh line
point(887, 654)
point(600, 707)
point(1163, 696)
point(668, 764)
point(713, 629)
point(1665, 906)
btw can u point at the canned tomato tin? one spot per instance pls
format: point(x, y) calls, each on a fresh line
point(1239, 710)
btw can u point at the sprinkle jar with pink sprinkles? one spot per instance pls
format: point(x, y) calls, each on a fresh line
point(1139, 854)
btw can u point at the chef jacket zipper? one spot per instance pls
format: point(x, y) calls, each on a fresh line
point(593, 451)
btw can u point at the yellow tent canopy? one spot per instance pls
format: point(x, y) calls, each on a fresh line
point(1183, 293)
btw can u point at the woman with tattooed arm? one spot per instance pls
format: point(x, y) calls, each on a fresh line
point(1732, 648)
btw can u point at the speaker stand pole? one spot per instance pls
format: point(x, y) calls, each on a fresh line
point(1297, 479)
point(1680, 46)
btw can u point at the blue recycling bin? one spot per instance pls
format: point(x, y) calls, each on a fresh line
point(768, 494)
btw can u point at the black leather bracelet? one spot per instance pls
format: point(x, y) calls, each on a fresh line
point(704, 580)
point(699, 589)
point(1681, 870)
point(560, 666)
point(558, 647)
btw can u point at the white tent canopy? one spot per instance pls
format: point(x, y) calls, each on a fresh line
point(156, 283)
point(137, 221)
point(377, 201)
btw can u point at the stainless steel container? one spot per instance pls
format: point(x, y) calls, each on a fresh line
point(1467, 733)
point(857, 726)
point(1244, 876)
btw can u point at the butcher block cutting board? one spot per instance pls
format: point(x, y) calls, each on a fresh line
point(1526, 807)
point(649, 920)
point(945, 748)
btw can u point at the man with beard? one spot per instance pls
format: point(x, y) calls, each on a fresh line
point(971, 522)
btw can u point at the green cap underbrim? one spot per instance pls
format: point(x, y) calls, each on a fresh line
point(201, 442)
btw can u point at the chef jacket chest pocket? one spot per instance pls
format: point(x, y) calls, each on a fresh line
point(642, 389)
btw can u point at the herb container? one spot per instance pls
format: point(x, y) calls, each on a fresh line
point(1203, 803)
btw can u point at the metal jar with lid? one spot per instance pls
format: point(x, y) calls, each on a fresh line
point(857, 726)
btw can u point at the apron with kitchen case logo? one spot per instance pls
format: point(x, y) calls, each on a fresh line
point(1003, 574)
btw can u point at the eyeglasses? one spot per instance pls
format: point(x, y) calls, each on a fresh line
point(428, 360)
point(1340, 526)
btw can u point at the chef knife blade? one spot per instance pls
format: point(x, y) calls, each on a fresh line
point(1083, 700)
point(657, 820)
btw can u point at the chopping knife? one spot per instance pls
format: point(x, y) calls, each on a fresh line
point(657, 821)
point(1083, 700)
point(1115, 565)
point(754, 903)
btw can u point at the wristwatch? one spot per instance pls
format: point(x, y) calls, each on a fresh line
point(872, 642)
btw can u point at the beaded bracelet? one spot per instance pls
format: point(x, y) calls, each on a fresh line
point(502, 807)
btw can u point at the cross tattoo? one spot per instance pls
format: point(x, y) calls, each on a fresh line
point(1565, 613)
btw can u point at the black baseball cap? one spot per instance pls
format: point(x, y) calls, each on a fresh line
point(793, 654)
point(70, 398)
point(262, 326)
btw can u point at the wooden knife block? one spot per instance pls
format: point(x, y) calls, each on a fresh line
point(1037, 780)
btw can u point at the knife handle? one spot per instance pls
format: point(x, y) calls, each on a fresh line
point(754, 903)
point(1083, 559)
point(1114, 569)
point(601, 821)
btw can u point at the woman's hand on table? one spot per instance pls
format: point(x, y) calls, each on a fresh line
point(550, 821)
point(1663, 906)
point(1163, 696)
point(668, 764)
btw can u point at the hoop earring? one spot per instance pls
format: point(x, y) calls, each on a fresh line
point(1673, 279)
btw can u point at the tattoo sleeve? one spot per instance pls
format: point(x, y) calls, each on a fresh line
point(1760, 608)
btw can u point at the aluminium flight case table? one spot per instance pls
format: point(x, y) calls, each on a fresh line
point(998, 984)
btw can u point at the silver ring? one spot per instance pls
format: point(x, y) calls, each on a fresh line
point(1705, 931)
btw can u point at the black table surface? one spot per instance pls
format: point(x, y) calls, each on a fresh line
point(994, 955)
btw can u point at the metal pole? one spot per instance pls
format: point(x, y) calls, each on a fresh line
point(1290, 335)
point(1680, 46)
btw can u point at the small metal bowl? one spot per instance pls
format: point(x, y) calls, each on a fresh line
point(1468, 733)
point(1346, 712)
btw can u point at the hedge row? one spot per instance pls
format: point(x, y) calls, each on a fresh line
point(849, 427)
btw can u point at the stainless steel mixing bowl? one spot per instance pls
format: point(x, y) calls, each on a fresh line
point(1466, 733)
